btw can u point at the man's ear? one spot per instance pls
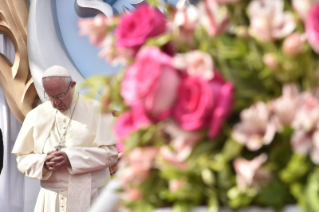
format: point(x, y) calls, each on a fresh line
point(73, 83)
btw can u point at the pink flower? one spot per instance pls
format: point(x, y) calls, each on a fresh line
point(305, 143)
point(255, 128)
point(171, 157)
point(136, 27)
point(116, 56)
point(151, 82)
point(203, 103)
point(196, 63)
point(175, 184)
point(95, 28)
point(307, 115)
point(293, 44)
point(186, 16)
point(270, 60)
point(143, 157)
point(312, 28)
point(185, 22)
point(268, 21)
point(302, 7)
point(246, 170)
point(140, 161)
point(182, 141)
point(129, 122)
point(214, 19)
point(226, 1)
point(284, 108)
point(301, 142)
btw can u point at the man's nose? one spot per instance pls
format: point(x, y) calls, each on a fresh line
point(56, 100)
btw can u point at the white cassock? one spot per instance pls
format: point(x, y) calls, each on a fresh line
point(90, 148)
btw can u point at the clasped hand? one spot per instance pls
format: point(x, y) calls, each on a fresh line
point(56, 160)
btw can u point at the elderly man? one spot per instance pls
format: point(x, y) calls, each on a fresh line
point(67, 144)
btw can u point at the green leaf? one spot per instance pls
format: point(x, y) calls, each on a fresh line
point(297, 167)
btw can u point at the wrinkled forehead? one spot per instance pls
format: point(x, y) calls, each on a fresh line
point(54, 81)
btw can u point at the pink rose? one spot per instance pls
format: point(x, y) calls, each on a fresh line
point(129, 122)
point(152, 82)
point(214, 19)
point(312, 28)
point(302, 7)
point(203, 103)
point(136, 27)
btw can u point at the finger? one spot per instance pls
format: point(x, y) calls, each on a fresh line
point(48, 158)
point(50, 163)
point(61, 164)
point(57, 159)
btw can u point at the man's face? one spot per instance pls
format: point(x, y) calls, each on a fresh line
point(54, 86)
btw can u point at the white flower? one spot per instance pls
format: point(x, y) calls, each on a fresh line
point(196, 63)
point(255, 128)
point(246, 170)
point(268, 21)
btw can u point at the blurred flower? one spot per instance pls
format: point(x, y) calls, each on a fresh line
point(140, 161)
point(186, 19)
point(301, 142)
point(225, 1)
point(186, 16)
point(116, 56)
point(173, 157)
point(136, 27)
point(312, 28)
point(213, 17)
point(143, 157)
point(175, 184)
point(285, 106)
point(196, 63)
point(246, 170)
point(255, 128)
point(302, 7)
point(134, 194)
point(152, 82)
point(307, 115)
point(182, 141)
point(129, 122)
point(270, 60)
point(305, 143)
point(293, 44)
point(268, 21)
point(201, 103)
point(95, 28)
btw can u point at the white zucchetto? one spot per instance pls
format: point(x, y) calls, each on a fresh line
point(56, 71)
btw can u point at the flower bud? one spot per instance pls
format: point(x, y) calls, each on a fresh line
point(270, 60)
point(293, 44)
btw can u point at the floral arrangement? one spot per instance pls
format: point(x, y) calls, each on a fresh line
point(217, 103)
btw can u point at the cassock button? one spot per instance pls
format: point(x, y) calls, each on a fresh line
point(64, 127)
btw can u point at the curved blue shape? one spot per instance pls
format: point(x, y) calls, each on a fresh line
point(84, 55)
